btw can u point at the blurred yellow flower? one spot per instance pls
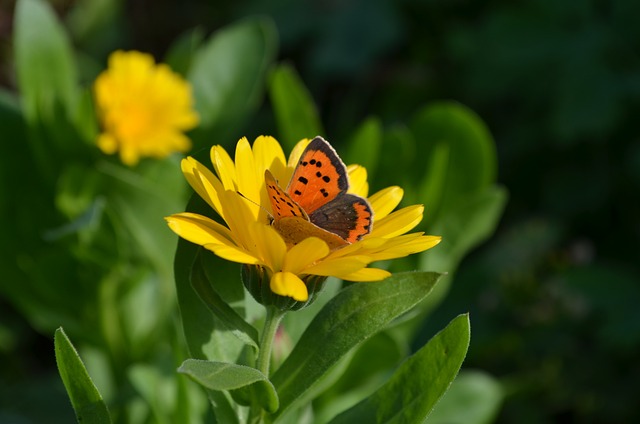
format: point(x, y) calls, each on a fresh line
point(144, 108)
point(250, 238)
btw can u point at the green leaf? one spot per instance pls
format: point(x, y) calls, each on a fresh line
point(465, 227)
point(84, 395)
point(158, 390)
point(472, 162)
point(87, 118)
point(474, 398)
point(398, 143)
point(354, 315)
point(225, 313)
point(223, 407)
point(44, 61)
point(220, 376)
point(136, 202)
point(413, 390)
point(183, 50)
point(364, 146)
point(207, 337)
point(94, 24)
point(293, 106)
point(228, 75)
point(432, 187)
point(368, 369)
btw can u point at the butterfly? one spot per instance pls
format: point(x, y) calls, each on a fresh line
point(316, 202)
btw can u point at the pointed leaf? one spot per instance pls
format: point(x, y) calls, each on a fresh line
point(44, 60)
point(469, 147)
point(228, 75)
point(157, 389)
point(466, 227)
point(413, 390)
point(183, 50)
point(474, 221)
point(225, 376)
point(474, 398)
point(85, 398)
point(225, 313)
point(355, 314)
point(364, 146)
point(207, 337)
point(295, 111)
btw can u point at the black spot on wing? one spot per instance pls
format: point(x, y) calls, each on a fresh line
point(320, 144)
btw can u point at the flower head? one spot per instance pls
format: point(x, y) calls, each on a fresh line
point(143, 107)
point(238, 194)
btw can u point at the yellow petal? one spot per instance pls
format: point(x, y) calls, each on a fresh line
point(269, 245)
point(179, 143)
point(372, 243)
point(187, 166)
point(378, 244)
point(239, 217)
point(385, 201)
point(348, 250)
point(249, 180)
point(338, 266)
point(288, 284)
point(401, 248)
point(358, 180)
point(224, 167)
point(195, 173)
point(199, 229)
point(294, 157)
point(212, 188)
point(233, 254)
point(364, 247)
point(144, 107)
point(129, 155)
point(268, 154)
point(399, 222)
point(107, 143)
point(304, 254)
point(366, 274)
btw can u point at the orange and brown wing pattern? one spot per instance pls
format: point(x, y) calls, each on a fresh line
point(319, 177)
point(282, 205)
point(348, 216)
point(316, 202)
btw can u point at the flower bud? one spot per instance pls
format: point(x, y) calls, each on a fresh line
point(257, 280)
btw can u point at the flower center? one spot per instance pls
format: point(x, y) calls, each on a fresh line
point(135, 121)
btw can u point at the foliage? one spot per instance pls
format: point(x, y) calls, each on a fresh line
point(86, 249)
point(102, 255)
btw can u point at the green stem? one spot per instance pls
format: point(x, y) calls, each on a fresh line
point(271, 322)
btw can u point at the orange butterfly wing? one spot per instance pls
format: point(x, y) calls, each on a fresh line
point(319, 177)
point(282, 205)
point(316, 202)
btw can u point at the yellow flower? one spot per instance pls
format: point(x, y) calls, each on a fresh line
point(249, 238)
point(143, 108)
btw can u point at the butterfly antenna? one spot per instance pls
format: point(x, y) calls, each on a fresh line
point(271, 218)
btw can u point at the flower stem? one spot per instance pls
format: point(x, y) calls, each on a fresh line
point(271, 322)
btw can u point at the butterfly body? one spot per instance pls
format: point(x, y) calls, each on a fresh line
point(316, 202)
